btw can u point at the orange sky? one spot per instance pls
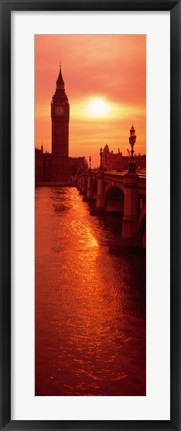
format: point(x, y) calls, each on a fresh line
point(110, 69)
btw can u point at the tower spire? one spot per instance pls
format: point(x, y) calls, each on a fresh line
point(60, 81)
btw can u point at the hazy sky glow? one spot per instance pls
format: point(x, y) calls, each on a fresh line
point(105, 81)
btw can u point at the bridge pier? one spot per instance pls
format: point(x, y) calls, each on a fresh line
point(99, 208)
point(78, 183)
point(82, 185)
point(128, 239)
point(129, 222)
point(88, 197)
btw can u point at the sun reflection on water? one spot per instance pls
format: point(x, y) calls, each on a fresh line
point(90, 316)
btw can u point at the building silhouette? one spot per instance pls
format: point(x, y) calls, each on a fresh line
point(57, 166)
point(111, 161)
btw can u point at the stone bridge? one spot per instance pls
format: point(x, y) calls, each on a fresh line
point(122, 194)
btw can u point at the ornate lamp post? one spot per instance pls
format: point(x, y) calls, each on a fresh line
point(101, 151)
point(132, 141)
point(90, 162)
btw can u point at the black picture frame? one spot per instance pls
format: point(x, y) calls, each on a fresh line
point(6, 6)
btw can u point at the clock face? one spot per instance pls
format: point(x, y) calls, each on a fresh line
point(59, 110)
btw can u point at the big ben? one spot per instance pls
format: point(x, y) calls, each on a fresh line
point(60, 131)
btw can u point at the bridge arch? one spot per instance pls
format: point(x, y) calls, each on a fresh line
point(141, 229)
point(114, 200)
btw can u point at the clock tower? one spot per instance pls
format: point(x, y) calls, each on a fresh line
point(60, 132)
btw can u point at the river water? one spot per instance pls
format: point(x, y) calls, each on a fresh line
point(90, 304)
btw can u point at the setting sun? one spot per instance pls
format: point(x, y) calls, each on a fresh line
point(98, 108)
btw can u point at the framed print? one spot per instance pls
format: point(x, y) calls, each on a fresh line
point(90, 223)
